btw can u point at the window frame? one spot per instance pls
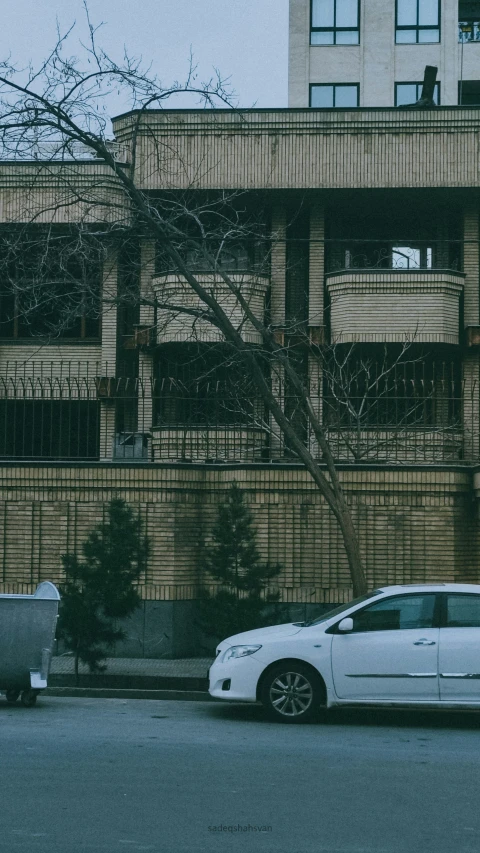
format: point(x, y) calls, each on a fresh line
point(418, 27)
point(334, 85)
point(436, 616)
point(419, 90)
point(335, 29)
point(444, 619)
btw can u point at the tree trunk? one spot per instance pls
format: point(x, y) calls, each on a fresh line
point(352, 550)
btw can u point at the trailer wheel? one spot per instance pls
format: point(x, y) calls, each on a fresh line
point(11, 696)
point(28, 698)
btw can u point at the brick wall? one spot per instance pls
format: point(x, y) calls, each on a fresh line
point(415, 524)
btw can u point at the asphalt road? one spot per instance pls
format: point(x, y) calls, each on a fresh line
point(112, 775)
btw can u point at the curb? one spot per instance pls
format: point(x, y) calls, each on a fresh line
point(120, 681)
point(118, 693)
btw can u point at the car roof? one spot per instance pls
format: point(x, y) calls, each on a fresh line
point(433, 587)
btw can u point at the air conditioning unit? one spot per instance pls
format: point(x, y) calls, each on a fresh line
point(131, 445)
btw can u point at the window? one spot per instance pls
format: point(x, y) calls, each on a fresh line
point(463, 611)
point(469, 93)
point(334, 95)
point(410, 93)
point(469, 20)
point(335, 22)
point(50, 285)
point(399, 613)
point(418, 21)
point(219, 237)
point(202, 386)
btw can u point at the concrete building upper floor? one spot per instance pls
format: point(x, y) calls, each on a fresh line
point(345, 53)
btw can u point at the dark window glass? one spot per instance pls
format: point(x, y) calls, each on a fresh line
point(335, 22)
point(50, 284)
point(202, 386)
point(469, 93)
point(463, 611)
point(375, 387)
point(393, 614)
point(334, 95)
point(410, 93)
point(418, 21)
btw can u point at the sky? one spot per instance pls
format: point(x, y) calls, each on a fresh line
point(245, 39)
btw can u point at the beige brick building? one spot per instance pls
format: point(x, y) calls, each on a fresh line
point(369, 244)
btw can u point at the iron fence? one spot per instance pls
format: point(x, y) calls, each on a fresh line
point(420, 412)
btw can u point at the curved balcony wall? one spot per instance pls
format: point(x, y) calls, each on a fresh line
point(173, 290)
point(392, 305)
point(203, 444)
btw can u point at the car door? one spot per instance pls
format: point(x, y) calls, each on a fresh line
point(392, 652)
point(459, 648)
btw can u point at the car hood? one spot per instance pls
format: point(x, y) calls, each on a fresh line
point(259, 635)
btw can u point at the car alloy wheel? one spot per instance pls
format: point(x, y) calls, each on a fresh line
point(291, 693)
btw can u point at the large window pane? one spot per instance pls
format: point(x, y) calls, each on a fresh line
point(428, 13)
point(348, 37)
point(323, 13)
point(347, 13)
point(346, 96)
point(406, 13)
point(321, 96)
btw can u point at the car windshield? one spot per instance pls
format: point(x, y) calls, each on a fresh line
point(337, 610)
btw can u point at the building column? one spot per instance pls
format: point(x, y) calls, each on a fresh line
point(277, 303)
point(316, 320)
point(147, 320)
point(109, 354)
point(471, 372)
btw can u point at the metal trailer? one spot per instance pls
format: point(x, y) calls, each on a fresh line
point(27, 634)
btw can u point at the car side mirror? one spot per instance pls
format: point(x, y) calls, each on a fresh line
point(345, 625)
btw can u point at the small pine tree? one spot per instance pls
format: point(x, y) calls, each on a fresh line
point(233, 560)
point(100, 588)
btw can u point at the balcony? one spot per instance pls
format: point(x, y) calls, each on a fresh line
point(173, 293)
point(394, 305)
point(208, 444)
point(468, 31)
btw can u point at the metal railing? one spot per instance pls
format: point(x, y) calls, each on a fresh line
point(398, 254)
point(412, 413)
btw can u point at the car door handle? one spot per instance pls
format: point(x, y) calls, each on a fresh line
point(424, 642)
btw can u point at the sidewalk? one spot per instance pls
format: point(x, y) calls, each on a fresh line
point(132, 675)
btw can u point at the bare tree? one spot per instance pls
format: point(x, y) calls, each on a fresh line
point(58, 113)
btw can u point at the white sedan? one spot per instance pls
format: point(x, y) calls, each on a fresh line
point(416, 646)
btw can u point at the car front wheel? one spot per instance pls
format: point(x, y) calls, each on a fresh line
point(292, 693)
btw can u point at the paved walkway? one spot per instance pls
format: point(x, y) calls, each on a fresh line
point(181, 668)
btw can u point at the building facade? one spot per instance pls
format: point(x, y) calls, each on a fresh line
point(364, 256)
point(372, 53)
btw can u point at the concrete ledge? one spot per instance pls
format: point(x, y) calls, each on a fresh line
point(112, 693)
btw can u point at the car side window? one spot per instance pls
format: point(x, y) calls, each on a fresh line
point(396, 613)
point(463, 611)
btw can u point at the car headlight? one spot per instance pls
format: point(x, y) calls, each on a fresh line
point(239, 652)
